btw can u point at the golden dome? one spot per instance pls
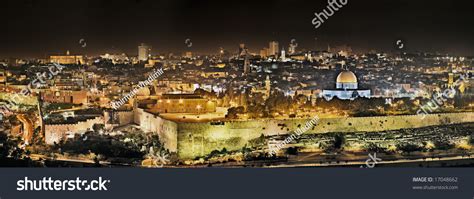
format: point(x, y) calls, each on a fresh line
point(346, 77)
point(145, 91)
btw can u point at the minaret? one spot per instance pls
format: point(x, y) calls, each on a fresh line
point(40, 115)
point(244, 53)
point(246, 65)
point(283, 54)
point(450, 77)
point(267, 87)
point(344, 66)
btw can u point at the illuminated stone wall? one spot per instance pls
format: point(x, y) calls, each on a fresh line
point(166, 130)
point(66, 59)
point(18, 98)
point(192, 140)
point(199, 139)
point(117, 118)
point(185, 106)
point(74, 97)
point(57, 132)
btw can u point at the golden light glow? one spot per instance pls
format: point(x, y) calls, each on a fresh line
point(430, 145)
point(346, 77)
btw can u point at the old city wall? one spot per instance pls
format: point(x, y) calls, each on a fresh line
point(166, 130)
point(118, 118)
point(57, 132)
point(19, 98)
point(199, 139)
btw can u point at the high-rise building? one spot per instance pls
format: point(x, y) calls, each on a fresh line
point(242, 49)
point(246, 65)
point(144, 52)
point(273, 48)
point(244, 53)
point(264, 53)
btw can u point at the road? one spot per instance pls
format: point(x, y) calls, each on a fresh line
point(27, 127)
point(37, 157)
point(361, 161)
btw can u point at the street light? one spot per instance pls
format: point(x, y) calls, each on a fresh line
point(198, 107)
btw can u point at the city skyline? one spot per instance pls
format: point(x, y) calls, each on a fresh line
point(130, 93)
point(37, 29)
point(106, 92)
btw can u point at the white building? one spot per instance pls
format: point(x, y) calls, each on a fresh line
point(144, 52)
point(283, 54)
point(346, 88)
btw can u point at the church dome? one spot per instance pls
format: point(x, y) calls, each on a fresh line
point(346, 77)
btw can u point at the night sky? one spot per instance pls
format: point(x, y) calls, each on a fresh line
point(36, 28)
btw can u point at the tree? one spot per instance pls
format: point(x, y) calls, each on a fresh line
point(374, 148)
point(292, 151)
point(409, 147)
point(217, 153)
point(301, 99)
point(9, 147)
point(336, 144)
point(204, 93)
point(443, 145)
point(339, 141)
point(257, 142)
point(98, 127)
point(232, 112)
